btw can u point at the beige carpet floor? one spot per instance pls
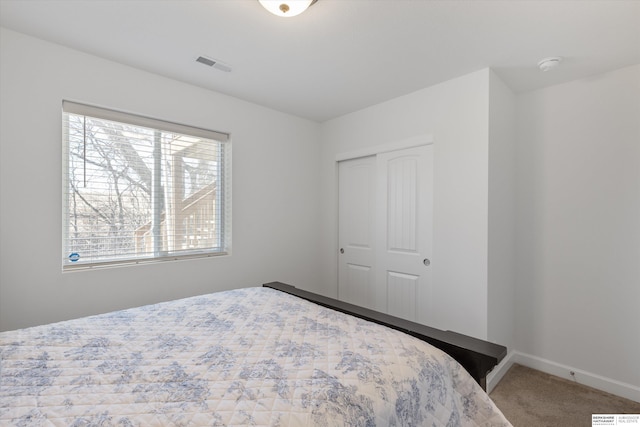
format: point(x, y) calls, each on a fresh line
point(532, 398)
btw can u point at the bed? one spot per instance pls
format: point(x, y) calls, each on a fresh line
point(254, 356)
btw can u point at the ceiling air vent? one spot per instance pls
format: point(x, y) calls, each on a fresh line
point(214, 63)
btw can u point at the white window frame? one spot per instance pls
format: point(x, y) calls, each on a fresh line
point(223, 191)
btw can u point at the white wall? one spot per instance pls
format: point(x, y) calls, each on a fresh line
point(578, 232)
point(274, 167)
point(502, 214)
point(456, 114)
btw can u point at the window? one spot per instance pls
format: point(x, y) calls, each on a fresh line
point(137, 189)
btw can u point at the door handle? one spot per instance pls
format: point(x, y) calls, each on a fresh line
point(426, 262)
point(341, 250)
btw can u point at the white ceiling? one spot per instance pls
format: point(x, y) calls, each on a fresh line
point(341, 55)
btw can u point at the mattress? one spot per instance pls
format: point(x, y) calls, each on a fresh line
point(253, 356)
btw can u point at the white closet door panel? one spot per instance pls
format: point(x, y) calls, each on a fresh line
point(402, 204)
point(401, 294)
point(356, 235)
point(358, 285)
point(404, 214)
point(358, 194)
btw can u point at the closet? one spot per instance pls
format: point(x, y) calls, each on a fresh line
point(385, 232)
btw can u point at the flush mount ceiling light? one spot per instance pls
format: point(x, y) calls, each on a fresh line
point(286, 8)
point(550, 63)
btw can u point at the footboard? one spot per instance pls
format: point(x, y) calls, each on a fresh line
point(477, 356)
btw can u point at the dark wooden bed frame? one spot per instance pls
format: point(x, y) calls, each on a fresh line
point(478, 357)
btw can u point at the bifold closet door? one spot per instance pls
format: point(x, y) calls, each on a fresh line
point(385, 232)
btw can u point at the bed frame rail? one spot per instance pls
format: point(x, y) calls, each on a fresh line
point(478, 357)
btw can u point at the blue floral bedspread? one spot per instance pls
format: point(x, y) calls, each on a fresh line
point(252, 356)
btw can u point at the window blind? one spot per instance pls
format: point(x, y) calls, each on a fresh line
point(138, 189)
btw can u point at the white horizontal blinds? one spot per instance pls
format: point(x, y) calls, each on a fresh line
point(118, 116)
point(139, 189)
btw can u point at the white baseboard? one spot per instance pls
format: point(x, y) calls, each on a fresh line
point(628, 391)
point(498, 372)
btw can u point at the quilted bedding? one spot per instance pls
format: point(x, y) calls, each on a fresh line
point(252, 356)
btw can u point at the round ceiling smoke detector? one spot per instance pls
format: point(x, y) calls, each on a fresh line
point(549, 63)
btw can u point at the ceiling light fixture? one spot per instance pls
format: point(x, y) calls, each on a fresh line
point(550, 63)
point(286, 8)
